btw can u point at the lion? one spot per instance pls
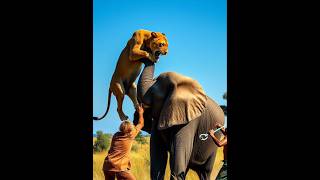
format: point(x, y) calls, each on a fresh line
point(143, 44)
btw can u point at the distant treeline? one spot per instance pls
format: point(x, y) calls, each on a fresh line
point(145, 135)
point(103, 140)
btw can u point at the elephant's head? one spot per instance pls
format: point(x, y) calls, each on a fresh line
point(172, 98)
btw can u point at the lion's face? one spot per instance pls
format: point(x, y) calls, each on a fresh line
point(158, 45)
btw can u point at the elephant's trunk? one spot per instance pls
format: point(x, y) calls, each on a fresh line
point(146, 79)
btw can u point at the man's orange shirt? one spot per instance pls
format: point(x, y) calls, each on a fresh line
point(118, 158)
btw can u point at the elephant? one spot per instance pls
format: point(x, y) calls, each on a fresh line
point(177, 111)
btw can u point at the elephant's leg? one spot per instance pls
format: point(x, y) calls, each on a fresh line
point(132, 93)
point(187, 170)
point(180, 152)
point(158, 157)
point(119, 92)
point(178, 163)
point(204, 171)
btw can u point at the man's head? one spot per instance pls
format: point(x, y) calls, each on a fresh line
point(125, 127)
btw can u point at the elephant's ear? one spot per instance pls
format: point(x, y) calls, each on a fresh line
point(184, 102)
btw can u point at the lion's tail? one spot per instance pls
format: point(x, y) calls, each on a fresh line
point(109, 99)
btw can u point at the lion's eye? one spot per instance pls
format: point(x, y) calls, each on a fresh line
point(161, 44)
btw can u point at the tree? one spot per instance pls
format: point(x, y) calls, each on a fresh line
point(140, 139)
point(224, 96)
point(102, 143)
point(223, 107)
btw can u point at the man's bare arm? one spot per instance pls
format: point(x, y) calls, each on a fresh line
point(140, 124)
point(219, 143)
point(141, 119)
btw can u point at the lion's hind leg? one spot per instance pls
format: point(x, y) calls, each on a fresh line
point(132, 93)
point(119, 91)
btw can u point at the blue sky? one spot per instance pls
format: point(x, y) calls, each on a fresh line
point(197, 35)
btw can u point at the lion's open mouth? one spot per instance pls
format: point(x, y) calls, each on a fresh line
point(157, 54)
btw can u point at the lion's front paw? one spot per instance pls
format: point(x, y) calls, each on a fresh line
point(151, 57)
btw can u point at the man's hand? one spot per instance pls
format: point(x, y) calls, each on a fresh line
point(218, 125)
point(211, 131)
point(140, 110)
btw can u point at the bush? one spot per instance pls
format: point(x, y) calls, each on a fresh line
point(135, 147)
point(102, 143)
point(140, 139)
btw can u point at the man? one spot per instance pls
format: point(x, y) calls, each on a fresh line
point(117, 163)
point(223, 143)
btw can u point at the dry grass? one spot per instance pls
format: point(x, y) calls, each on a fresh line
point(140, 161)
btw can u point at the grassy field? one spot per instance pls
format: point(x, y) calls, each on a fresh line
point(140, 161)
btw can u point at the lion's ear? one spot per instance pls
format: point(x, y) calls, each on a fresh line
point(154, 34)
point(163, 34)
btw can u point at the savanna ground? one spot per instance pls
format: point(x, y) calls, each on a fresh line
point(140, 161)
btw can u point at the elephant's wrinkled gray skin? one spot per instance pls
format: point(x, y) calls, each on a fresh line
point(177, 132)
